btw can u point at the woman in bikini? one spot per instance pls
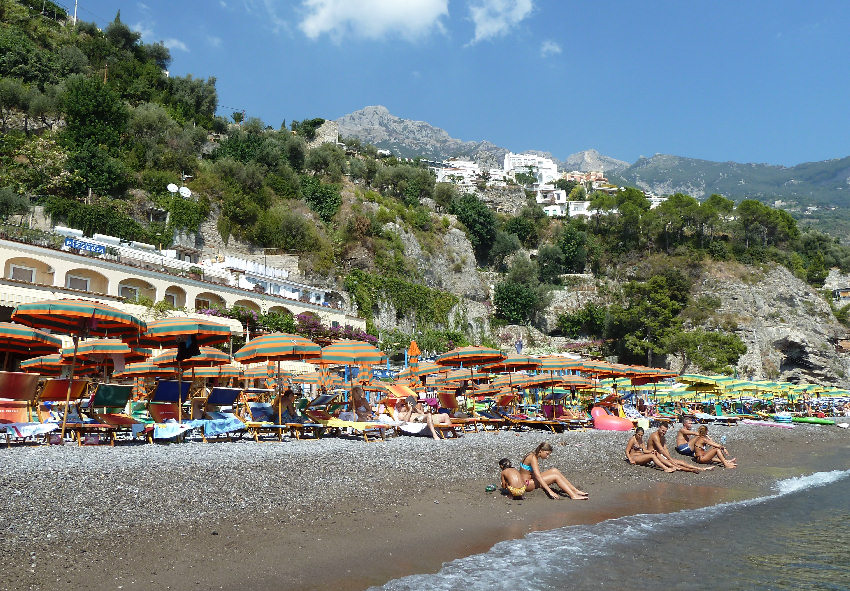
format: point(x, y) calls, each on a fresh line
point(637, 455)
point(707, 451)
point(529, 470)
point(360, 406)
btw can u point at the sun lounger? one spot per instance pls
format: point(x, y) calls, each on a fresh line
point(448, 401)
point(17, 396)
point(263, 417)
point(217, 413)
point(51, 408)
point(162, 407)
point(521, 421)
point(108, 405)
point(318, 410)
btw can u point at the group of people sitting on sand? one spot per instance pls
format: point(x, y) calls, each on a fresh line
point(696, 444)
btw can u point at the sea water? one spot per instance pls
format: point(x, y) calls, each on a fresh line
point(798, 537)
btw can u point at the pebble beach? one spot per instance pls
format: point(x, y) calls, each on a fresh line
point(280, 515)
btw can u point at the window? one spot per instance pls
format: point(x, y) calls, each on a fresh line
point(128, 293)
point(22, 273)
point(171, 300)
point(76, 282)
point(202, 304)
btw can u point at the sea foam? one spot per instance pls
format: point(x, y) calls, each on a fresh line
point(542, 560)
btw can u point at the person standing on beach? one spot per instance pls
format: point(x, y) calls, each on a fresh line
point(657, 444)
point(684, 436)
point(534, 478)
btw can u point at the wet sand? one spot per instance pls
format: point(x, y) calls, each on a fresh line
point(334, 514)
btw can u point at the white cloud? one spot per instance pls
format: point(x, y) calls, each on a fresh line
point(214, 41)
point(175, 44)
point(145, 29)
point(493, 18)
point(372, 19)
point(549, 48)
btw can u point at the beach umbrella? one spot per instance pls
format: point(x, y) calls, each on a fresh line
point(78, 318)
point(207, 357)
point(26, 341)
point(52, 365)
point(146, 369)
point(348, 352)
point(558, 363)
point(220, 371)
point(423, 368)
point(278, 347)
point(103, 349)
point(258, 372)
point(188, 334)
point(513, 363)
point(470, 356)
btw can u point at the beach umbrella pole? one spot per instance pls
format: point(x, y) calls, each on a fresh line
point(70, 385)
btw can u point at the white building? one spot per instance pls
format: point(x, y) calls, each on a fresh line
point(545, 169)
point(463, 173)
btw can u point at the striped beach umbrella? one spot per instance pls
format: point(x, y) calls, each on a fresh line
point(423, 368)
point(514, 363)
point(558, 363)
point(26, 341)
point(221, 371)
point(259, 372)
point(52, 365)
point(146, 369)
point(99, 350)
point(209, 356)
point(278, 346)
point(78, 318)
point(348, 352)
point(470, 356)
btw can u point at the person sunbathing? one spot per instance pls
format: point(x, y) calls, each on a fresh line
point(512, 480)
point(707, 451)
point(657, 444)
point(288, 413)
point(410, 410)
point(530, 472)
point(360, 406)
point(637, 455)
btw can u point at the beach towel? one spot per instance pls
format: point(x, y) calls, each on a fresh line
point(169, 429)
point(217, 426)
point(28, 429)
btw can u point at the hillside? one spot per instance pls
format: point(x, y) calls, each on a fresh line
point(821, 183)
point(413, 258)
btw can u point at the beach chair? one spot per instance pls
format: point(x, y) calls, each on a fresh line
point(51, 408)
point(262, 417)
point(162, 408)
point(216, 412)
point(724, 419)
point(448, 401)
point(319, 411)
point(17, 399)
point(108, 405)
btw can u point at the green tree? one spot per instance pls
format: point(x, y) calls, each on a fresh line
point(708, 351)
point(817, 272)
point(588, 321)
point(565, 185)
point(11, 203)
point(504, 245)
point(577, 193)
point(573, 243)
point(480, 224)
point(514, 302)
point(550, 263)
point(323, 198)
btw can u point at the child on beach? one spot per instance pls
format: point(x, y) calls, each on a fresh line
point(511, 479)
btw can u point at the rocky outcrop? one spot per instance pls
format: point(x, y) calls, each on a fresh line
point(506, 200)
point(592, 160)
point(789, 329)
point(449, 267)
point(578, 291)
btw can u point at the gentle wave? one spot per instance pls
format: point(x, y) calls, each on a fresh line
point(541, 560)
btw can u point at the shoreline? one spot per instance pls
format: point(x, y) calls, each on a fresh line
point(341, 513)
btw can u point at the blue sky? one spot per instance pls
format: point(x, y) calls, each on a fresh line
point(746, 81)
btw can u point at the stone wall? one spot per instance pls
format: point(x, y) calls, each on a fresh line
point(327, 133)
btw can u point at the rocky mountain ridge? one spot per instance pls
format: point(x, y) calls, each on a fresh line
point(825, 182)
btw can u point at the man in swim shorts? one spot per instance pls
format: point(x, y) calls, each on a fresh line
point(658, 444)
point(684, 436)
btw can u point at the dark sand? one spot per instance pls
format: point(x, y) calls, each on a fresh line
point(406, 522)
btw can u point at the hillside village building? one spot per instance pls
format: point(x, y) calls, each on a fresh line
point(121, 274)
point(546, 169)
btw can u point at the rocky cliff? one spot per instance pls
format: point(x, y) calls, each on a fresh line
point(789, 329)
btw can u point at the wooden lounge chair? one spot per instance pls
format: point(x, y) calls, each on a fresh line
point(319, 411)
point(448, 401)
point(162, 408)
point(215, 413)
point(51, 406)
point(17, 399)
point(263, 417)
point(108, 405)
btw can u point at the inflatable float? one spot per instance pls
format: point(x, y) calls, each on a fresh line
point(606, 422)
point(813, 420)
point(768, 424)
